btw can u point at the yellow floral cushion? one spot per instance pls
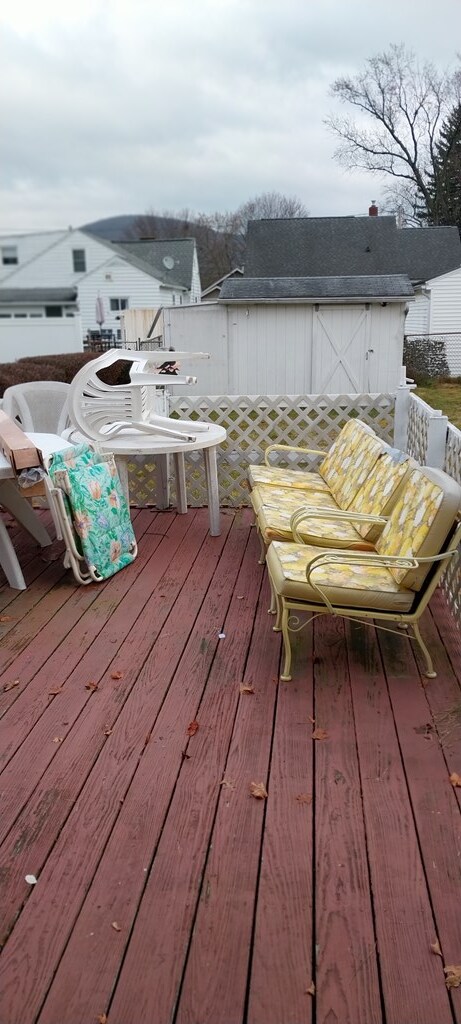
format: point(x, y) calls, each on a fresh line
point(359, 586)
point(349, 468)
point(285, 477)
point(411, 520)
point(379, 491)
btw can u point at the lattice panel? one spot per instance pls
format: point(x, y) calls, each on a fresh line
point(253, 423)
point(451, 581)
point(418, 427)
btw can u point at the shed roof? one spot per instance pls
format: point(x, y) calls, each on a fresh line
point(278, 289)
point(338, 246)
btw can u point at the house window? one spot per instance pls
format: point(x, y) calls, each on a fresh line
point(9, 255)
point(53, 310)
point(118, 304)
point(79, 261)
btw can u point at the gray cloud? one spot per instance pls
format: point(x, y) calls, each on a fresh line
point(117, 107)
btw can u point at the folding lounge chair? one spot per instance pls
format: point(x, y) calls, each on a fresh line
point(394, 583)
point(93, 513)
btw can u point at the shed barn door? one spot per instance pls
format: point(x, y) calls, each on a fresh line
point(340, 349)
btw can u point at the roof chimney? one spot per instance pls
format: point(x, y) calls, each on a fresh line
point(373, 209)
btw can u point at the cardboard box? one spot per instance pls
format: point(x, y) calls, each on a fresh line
point(16, 446)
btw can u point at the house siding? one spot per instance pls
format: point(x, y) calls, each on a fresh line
point(445, 315)
point(28, 248)
point(417, 319)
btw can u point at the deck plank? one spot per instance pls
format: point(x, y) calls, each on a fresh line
point(282, 950)
point(347, 982)
point(412, 978)
point(435, 808)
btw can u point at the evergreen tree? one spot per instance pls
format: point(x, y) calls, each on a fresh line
point(445, 183)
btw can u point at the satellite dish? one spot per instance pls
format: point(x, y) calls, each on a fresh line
point(168, 262)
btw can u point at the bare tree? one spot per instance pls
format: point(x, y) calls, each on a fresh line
point(268, 205)
point(401, 106)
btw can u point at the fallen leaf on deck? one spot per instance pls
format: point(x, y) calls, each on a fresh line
point(455, 779)
point(453, 975)
point(304, 798)
point(192, 728)
point(108, 731)
point(240, 597)
point(311, 719)
point(102, 1019)
point(116, 675)
point(311, 990)
point(436, 948)
point(258, 790)
point(58, 739)
point(10, 686)
point(116, 926)
point(91, 685)
point(319, 734)
point(185, 757)
point(227, 783)
point(55, 691)
point(246, 688)
point(6, 618)
point(31, 880)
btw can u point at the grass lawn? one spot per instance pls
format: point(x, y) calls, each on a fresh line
point(446, 397)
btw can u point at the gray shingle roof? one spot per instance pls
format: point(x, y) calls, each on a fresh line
point(35, 296)
point(339, 246)
point(263, 289)
point(152, 252)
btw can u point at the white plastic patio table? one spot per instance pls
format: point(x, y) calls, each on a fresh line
point(132, 443)
point(12, 500)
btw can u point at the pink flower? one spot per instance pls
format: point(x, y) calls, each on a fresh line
point(115, 550)
point(113, 499)
point(95, 489)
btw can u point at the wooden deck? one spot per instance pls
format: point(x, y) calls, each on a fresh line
point(166, 892)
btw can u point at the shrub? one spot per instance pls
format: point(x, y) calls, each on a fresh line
point(425, 359)
point(59, 367)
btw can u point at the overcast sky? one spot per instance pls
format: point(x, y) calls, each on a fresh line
point(122, 106)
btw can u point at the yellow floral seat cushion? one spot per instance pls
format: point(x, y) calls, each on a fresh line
point(286, 478)
point(350, 586)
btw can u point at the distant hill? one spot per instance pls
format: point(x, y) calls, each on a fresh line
point(217, 252)
point(123, 228)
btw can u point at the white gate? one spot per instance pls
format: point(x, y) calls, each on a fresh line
point(341, 348)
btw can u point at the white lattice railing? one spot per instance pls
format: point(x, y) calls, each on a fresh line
point(253, 423)
point(434, 441)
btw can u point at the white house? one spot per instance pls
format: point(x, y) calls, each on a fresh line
point(62, 274)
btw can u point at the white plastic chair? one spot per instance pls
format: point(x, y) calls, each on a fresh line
point(130, 419)
point(101, 411)
point(39, 405)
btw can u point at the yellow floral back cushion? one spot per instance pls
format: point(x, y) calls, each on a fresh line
point(376, 495)
point(349, 468)
point(411, 520)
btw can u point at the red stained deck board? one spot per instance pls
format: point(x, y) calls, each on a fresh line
point(78, 850)
point(347, 983)
point(215, 980)
point(281, 969)
point(437, 813)
point(62, 646)
point(62, 782)
point(46, 623)
point(151, 972)
point(412, 978)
